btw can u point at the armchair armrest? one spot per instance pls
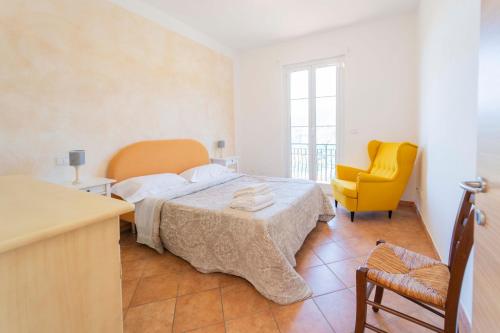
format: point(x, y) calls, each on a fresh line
point(364, 177)
point(345, 172)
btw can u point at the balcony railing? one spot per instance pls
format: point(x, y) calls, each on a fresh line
point(325, 161)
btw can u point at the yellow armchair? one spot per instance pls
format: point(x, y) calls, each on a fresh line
point(381, 186)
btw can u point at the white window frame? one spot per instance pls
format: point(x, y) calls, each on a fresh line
point(311, 66)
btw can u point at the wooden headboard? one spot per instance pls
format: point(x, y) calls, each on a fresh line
point(159, 156)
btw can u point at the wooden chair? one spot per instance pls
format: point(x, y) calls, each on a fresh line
point(420, 279)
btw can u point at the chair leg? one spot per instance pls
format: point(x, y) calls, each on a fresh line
point(390, 214)
point(379, 292)
point(450, 321)
point(352, 216)
point(336, 203)
point(360, 299)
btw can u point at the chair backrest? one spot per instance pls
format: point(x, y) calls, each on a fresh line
point(385, 163)
point(391, 159)
point(460, 249)
point(460, 228)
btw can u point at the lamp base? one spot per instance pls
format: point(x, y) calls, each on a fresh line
point(77, 176)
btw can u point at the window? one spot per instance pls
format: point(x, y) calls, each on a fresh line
point(313, 112)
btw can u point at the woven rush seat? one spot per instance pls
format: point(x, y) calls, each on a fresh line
point(408, 273)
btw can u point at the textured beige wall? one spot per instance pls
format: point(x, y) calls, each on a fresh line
point(91, 75)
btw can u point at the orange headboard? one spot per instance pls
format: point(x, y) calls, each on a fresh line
point(159, 156)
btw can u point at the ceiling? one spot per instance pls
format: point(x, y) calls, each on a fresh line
point(244, 24)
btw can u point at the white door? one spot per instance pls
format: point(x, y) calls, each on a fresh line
point(313, 104)
point(486, 309)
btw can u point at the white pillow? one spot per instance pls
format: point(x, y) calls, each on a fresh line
point(137, 188)
point(205, 172)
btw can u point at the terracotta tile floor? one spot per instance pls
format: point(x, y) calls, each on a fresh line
point(163, 293)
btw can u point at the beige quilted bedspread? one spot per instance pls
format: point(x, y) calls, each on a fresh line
point(260, 246)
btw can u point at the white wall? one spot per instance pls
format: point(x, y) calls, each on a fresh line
point(380, 91)
point(449, 39)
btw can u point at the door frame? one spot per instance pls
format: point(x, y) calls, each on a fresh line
point(339, 127)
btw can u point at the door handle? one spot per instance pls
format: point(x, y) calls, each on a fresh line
point(475, 186)
point(479, 216)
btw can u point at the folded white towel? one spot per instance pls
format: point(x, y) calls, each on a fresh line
point(256, 208)
point(254, 189)
point(249, 201)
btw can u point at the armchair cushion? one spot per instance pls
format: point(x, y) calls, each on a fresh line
point(369, 178)
point(345, 172)
point(348, 188)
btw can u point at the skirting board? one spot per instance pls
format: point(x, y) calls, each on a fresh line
point(427, 232)
point(464, 325)
point(407, 203)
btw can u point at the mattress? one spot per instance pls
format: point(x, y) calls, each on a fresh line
point(197, 224)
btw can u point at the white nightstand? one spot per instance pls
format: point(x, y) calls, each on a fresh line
point(230, 162)
point(96, 185)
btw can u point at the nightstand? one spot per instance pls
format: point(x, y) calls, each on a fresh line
point(96, 185)
point(230, 162)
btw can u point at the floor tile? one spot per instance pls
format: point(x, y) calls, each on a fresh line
point(321, 280)
point(165, 263)
point(133, 269)
point(338, 308)
point(198, 310)
point(192, 281)
point(262, 322)
point(356, 246)
point(402, 325)
point(331, 252)
point(137, 252)
point(218, 328)
point(156, 288)
point(150, 318)
point(345, 232)
point(226, 280)
point(318, 236)
point(307, 258)
point(128, 290)
point(345, 270)
point(127, 239)
point(301, 317)
point(242, 299)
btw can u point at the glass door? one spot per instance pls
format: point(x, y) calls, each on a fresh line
point(326, 122)
point(313, 101)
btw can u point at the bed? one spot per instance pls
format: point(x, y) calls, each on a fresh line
point(195, 222)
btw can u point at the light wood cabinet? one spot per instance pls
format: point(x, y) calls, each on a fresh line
point(59, 259)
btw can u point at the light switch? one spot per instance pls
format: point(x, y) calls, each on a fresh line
point(62, 159)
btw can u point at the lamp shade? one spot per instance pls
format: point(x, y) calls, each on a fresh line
point(221, 144)
point(77, 157)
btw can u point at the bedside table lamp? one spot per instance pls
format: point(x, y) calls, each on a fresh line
point(220, 145)
point(76, 159)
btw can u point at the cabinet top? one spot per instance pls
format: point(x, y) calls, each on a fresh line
point(32, 210)
point(85, 182)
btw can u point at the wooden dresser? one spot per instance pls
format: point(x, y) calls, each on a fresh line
point(59, 259)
